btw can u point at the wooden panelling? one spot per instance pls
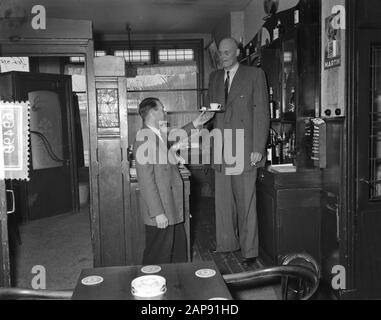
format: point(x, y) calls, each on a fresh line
point(369, 251)
point(368, 13)
point(289, 215)
point(299, 231)
point(298, 198)
point(55, 28)
point(266, 224)
point(110, 205)
point(5, 274)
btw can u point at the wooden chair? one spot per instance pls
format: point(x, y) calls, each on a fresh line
point(299, 278)
point(29, 294)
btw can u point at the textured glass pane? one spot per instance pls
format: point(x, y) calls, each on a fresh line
point(108, 108)
point(165, 78)
point(173, 101)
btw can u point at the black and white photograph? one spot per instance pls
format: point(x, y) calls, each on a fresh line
point(190, 151)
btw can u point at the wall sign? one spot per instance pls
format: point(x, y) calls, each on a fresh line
point(14, 140)
point(14, 64)
point(332, 52)
point(333, 58)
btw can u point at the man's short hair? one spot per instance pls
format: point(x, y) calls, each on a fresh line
point(147, 105)
point(231, 39)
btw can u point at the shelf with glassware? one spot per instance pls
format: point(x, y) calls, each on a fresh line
point(290, 64)
point(286, 48)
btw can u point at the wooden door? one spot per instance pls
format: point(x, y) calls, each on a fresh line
point(5, 274)
point(368, 215)
point(53, 187)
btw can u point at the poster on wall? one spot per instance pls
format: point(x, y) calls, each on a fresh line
point(8, 64)
point(332, 45)
point(14, 141)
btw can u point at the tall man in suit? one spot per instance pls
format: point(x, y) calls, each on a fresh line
point(242, 90)
point(161, 186)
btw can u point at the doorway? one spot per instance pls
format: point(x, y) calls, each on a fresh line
point(50, 228)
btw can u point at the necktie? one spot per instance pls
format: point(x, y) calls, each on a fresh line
point(227, 83)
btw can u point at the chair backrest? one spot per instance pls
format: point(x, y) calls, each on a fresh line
point(306, 276)
point(28, 294)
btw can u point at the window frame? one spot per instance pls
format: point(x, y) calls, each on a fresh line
point(197, 45)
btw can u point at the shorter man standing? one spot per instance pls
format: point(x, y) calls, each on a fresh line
point(161, 186)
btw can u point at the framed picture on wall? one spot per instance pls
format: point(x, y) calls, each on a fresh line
point(213, 54)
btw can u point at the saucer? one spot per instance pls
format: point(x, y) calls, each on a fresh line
point(151, 269)
point(205, 273)
point(92, 280)
point(212, 110)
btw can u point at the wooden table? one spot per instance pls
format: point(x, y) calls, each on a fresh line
point(182, 283)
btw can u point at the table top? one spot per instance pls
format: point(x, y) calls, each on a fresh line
point(182, 283)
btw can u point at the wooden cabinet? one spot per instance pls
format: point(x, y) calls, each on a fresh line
point(288, 214)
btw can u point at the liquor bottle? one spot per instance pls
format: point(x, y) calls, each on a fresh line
point(276, 109)
point(276, 32)
point(270, 148)
point(130, 156)
point(277, 150)
point(285, 148)
point(281, 28)
point(272, 103)
point(248, 49)
point(291, 104)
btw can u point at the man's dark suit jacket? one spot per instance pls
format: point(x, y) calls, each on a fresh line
point(161, 185)
point(246, 108)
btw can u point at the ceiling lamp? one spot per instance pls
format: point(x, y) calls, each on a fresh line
point(131, 70)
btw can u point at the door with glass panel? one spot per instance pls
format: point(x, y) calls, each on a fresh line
point(368, 222)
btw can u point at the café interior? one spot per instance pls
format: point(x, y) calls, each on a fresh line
point(75, 209)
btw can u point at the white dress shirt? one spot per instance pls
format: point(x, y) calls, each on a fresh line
point(157, 132)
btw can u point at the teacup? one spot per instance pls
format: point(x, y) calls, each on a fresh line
point(215, 106)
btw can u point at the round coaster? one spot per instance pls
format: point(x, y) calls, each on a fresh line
point(151, 269)
point(205, 273)
point(92, 280)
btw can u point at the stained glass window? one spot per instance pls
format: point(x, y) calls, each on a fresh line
point(108, 108)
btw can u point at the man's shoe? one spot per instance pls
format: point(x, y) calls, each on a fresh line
point(249, 262)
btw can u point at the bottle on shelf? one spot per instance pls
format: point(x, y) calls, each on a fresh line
point(277, 150)
point(287, 147)
point(248, 49)
point(131, 158)
point(270, 148)
point(278, 30)
point(276, 110)
point(291, 104)
point(272, 103)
